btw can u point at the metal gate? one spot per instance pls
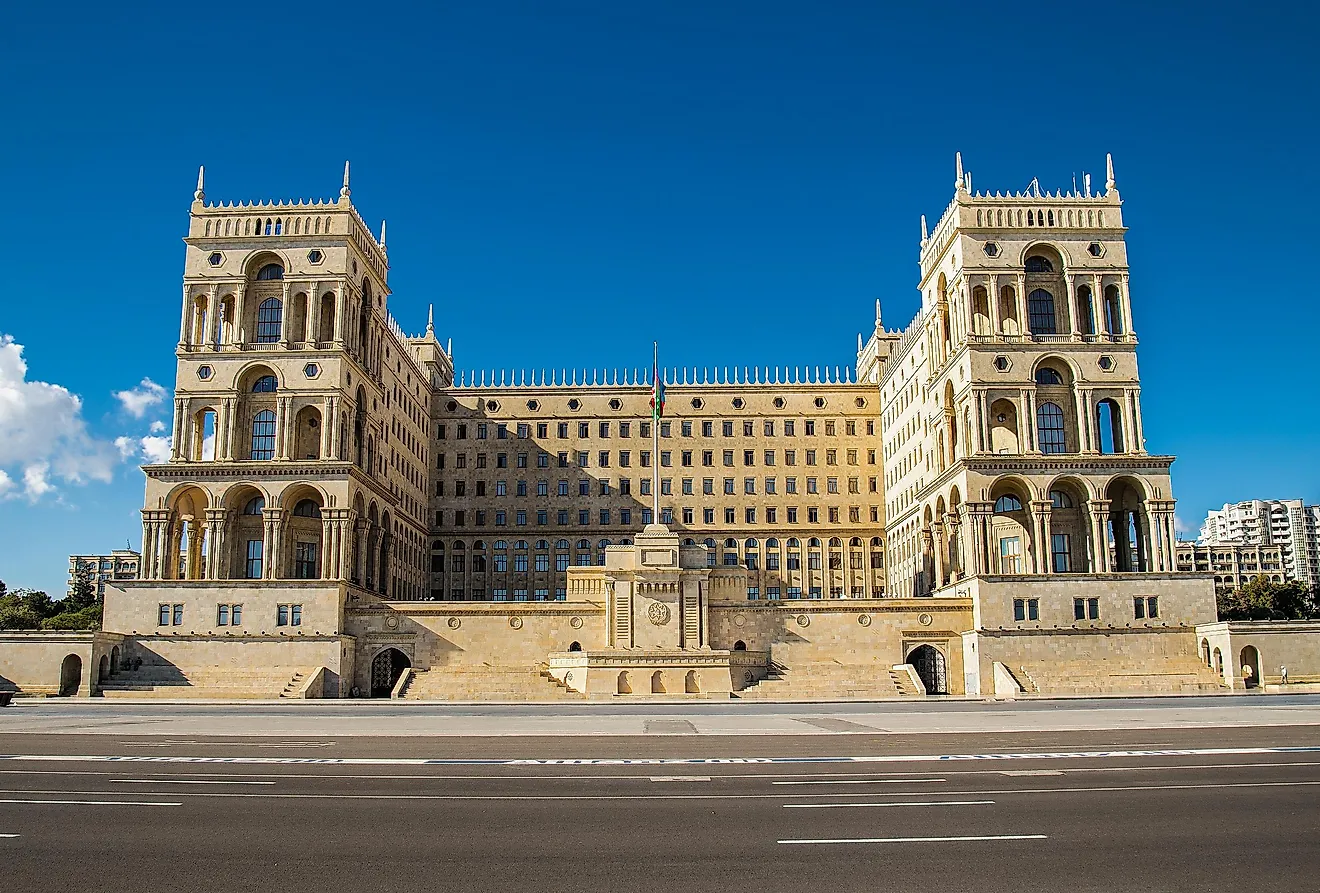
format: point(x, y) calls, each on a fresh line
point(930, 666)
point(386, 668)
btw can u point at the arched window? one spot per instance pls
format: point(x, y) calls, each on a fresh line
point(1038, 264)
point(1060, 500)
point(1007, 503)
point(1040, 312)
point(263, 435)
point(255, 505)
point(1109, 423)
point(1047, 376)
point(269, 272)
point(1049, 427)
point(268, 320)
point(266, 384)
point(307, 508)
point(1086, 310)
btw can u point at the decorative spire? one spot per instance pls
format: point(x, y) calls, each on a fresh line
point(924, 237)
point(449, 349)
point(344, 191)
point(859, 342)
point(878, 324)
point(1109, 172)
point(201, 184)
point(960, 182)
point(382, 234)
point(430, 320)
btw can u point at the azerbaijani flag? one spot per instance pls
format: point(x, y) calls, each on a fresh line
point(657, 389)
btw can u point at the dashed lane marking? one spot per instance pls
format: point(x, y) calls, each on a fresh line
point(867, 781)
point(922, 839)
point(895, 803)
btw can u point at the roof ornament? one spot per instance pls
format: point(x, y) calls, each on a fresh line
point(344, 191)
point(430, 320)
point(1086, 185)
point(201, 184)
point(1110, 185)
point(959, 181)
point(924, 236)
point(382, 235)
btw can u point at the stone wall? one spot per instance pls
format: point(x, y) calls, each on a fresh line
point(1291, 644)
point(34, 661)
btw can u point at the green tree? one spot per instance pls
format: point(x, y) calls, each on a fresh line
point(86, 618)
point(25, 609)
point(1263, 600)
point(83, 591)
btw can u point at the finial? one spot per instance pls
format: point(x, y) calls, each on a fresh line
point(1086, 184)
point(1109, 172)
point(430, 320)
point(877, 312)
point(449, 348)
point(959, 181)
point(382, 234)
point(344, 191)
point(201, 184)
point(859, 342)
point(924, 237)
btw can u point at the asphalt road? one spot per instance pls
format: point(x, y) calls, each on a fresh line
point(1190, 809)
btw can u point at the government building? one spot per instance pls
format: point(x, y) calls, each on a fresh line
point(967, 506)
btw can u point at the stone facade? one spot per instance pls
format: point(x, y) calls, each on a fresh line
point(971, 509)
point(1232, 564)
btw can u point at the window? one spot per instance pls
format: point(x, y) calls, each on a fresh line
point(1047, 376)
point(222, 615)
point(268, 320)
point(1040, 312)
point(307, 508)
point(1060, 553)
point(1010, 555)
point(1146, 608)
point(252, 568)
point(304, 561)
point(1026, 609)
point(164, 617)
point(255, 506)
point(1038, 264)
point(1007, 503)
point(1049, 425)
point(1086, 609)
point(1060, 500)
point(266, 384)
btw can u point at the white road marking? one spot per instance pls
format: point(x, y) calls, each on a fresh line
point(680, 778)
point(921, 839)
point(8, 836)
point(232, 744)
point(868, 781)
point(90, 802)
point(1029, 773)
point(672, 761)
point(897, 803)
point(181, 781)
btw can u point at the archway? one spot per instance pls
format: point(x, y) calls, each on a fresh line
point(1250, 663)
point(930, 666)
point(657, 683)
point(575, 646)
point(114, 660)
point(625, 686)
point(740, 645)
point(386, 668)
point(103, 670)
point(691, 685)
point(70, 675)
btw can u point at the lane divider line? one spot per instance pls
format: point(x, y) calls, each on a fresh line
point(922, 839)
point(869, 781)
point(180, 781)
point(669, 761)
point(899, 803)
point(91, 802)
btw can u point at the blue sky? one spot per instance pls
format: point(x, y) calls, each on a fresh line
point(568, 181)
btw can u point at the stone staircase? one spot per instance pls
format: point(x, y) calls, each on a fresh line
point(487, 683)
point(1173, 674)
point(826, 682)
point(161, 681)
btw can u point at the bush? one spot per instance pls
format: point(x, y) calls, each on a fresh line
point(87, 618)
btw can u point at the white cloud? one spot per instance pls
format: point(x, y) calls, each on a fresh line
point(157, 426)
point(1180, 527)
point(156, 450)
point(127, 446)
point(138, 400)
point(6, 483)
point(42, 431)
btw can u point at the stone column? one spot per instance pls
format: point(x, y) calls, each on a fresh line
point(1100, 536)
point(1040, 514)
point(215, 332)
point(340, 292)
point(282, 427)
point(1085, 436)
point(176, 442)
point(225, 430)
point(329, 552)
point(329, 425)
point(215, 542)
point(270, 549)
point(185, 319)
point(927, 548)
point(286, 315)
point(992, 299)
point(313, 334)
point(1027, 420)
point(938, 546)
point(237, 332)
point(1071, 300)
point(1138, 435)
point(1125, 301)
point(1098, 303)
point(957, 546)
point(1024, 322)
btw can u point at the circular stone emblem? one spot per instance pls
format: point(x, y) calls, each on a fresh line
point(515, 622)
point(864, 619)
point(576, 623)
point(739, 620)
point(454, 623)
point(803, 620)
point(392, 622)
point(658, 613)
point(925, 619)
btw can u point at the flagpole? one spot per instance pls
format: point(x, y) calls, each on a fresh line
point(655, 434)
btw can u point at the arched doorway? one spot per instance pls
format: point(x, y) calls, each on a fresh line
point(114, 660)
point(625, 685)
point(70, 675)
point(103, 672)
point(930, 666)
point(1250, 663)
point(386, 668)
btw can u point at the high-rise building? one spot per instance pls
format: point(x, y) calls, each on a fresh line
point(1287, 523)
point(120, 564)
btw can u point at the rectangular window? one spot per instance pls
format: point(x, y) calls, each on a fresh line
point(542, 430)
point(1019, 609)
point(235, 615)
point(666, 486)
point(520, 518)
point(708, 516)
point(730, 517)
point(281, 615)
point(790, 457)
point(809, 428)
point(708, 458)
point(625, 459)
point(687, 486)
point(625, 486)
point(524, 430)
point(624, 428)
point(543, 561)
point(707, 429)
point(687, 429)
point(792, 515)
point(562, 459)
point(583, 459)
point(625, 517)
point(728, 458)
point(728, 486)
point(664, 428)
point(295, 615)
point(584, 487)
point(1139, 608)
point(561, 517)
point(520, 562)
point(164, 616)
point(561, 561)
point(749, 486)
point(753, 593)
point(252, 570)
point(666, 459)
point(686, 458)
point(604, 429)
point(603, 459)
point(1086, 609)
point(584, 517)
point(178, 615)
point(788, 427)
point(542, 517)
point(771, 515)
point(304, 561)
point(749, 515)
point(1010, 555)
point(1060, 553)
